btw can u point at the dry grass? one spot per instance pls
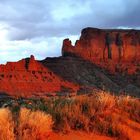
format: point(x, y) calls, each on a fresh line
point(34, 125)
point(6, 125)
point(100, 113)
point(131, 106)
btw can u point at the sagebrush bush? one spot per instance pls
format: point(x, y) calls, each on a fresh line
point(34, 125)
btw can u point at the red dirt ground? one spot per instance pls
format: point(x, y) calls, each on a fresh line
point(78, 136)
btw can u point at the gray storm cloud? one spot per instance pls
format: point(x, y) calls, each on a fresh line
point(51, 21)
point(35, 18)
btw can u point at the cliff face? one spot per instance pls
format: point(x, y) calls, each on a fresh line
point(115, 50)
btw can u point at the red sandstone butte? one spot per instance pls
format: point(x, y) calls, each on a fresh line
point(117, 50)
point(113, 49)
point(28, 76)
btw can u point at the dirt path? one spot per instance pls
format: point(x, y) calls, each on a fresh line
point(78, 136)
point(130, 129)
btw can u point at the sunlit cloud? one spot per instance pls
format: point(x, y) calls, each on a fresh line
point(40, 47)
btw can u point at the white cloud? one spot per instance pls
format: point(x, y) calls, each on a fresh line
point(3, 32)
point(40, 47)
point(70, 9)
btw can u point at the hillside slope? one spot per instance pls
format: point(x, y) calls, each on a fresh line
point(91, 77)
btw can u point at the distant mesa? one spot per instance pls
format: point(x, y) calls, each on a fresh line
point(115, 50)
point(28, 76)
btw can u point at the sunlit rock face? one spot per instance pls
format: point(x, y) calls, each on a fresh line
point(29, 77)
point(116, 50)
point(27, 64)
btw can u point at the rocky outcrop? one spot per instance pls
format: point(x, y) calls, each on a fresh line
point(100, 60)
point(115, 50)
point(28, 76)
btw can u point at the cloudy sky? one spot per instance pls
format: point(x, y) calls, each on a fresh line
point(38, 27)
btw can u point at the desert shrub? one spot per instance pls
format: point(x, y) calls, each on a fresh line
point(99, 112)
point(6, 125)
point(102, 113)
point(106, 100)
point(34, 125)
point(131, 106)
point(29, 124)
